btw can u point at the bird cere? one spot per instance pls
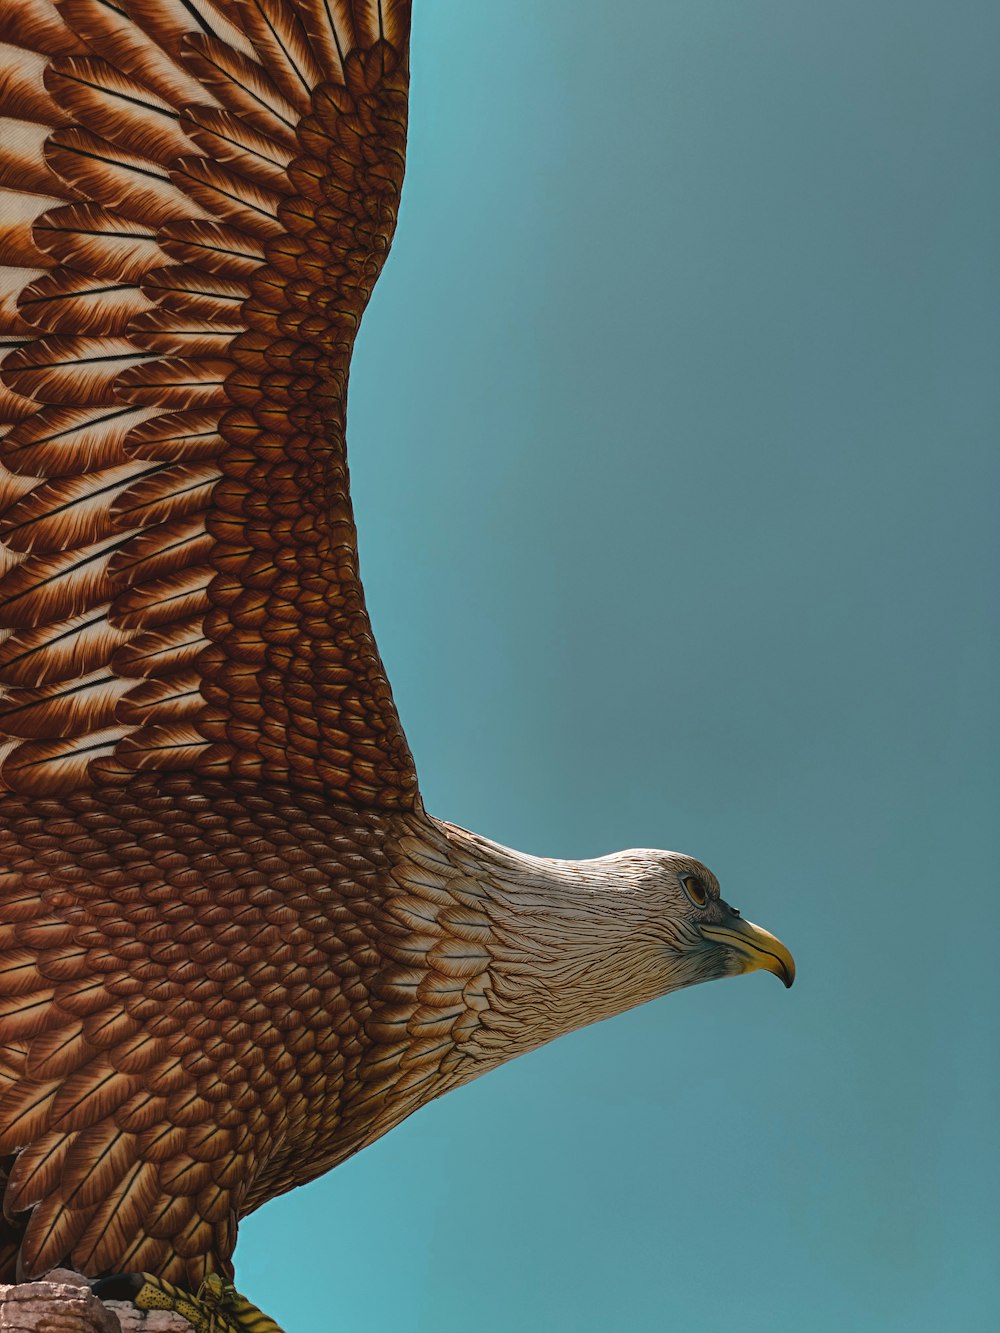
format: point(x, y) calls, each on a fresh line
point(235, 947)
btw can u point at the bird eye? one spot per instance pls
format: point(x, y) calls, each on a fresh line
point(694, 889)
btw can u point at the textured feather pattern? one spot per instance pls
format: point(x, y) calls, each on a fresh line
point(196, 197)
point(193, 1038)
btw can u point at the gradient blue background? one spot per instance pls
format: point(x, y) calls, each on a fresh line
point(673, 429)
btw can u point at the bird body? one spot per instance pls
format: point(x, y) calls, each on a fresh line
point(234, 948)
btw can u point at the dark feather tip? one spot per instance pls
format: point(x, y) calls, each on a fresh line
point(118, 1287)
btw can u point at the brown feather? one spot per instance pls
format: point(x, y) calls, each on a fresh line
point(50, 1235)
point(114, 1224)
point(169, 1217)
point(175, 382)
point(168, 333)
point(37, 26)
point(108, 1027)
point(161, 652)
point(164, 1142)
point(73, 511)
point(176, 437)
point(21, 902)
point(18, 216)
point(23, 163)
point(329, 27)
point(242, 87)
point(162, 601)
point(14, 407)
point(116, 108)
point(53, 768)
point(64, 301)
point(225, 194)
point(134, 1055)
point(172, 745)
point(214, 1203)
point(22, 88)
point(69, 963)
point(61, 440)
point(19, 972)
point(212, 247)
point(14, 329)
point(24, 1108)
point(46, 933)
point(128, 48)
point(123, 182)
point(169, 21)
point(96, 1162)
point(164, 492)
point(161, 550)
point(59, 651)
point(279, 39)
point(63, 369)
point(56, 1053)
point(44, 588)
point(209, 1143)
point(183, 1175)
point(91, 1094)
point(368, 21)
point(142, 1112)
point(106, 245)
point(144, 1254)
point(191, 291)
point(36, 1172)
point(66, 709)
point(396, 16)
point(224, 138)
point(177, 698)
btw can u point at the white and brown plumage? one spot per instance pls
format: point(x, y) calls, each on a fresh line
point(235, 949)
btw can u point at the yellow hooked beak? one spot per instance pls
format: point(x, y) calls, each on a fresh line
point(758, 947)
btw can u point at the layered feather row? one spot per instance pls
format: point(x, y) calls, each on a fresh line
point(146, 153)
point(195, 199)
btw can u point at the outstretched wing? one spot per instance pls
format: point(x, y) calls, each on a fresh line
point(196, 198)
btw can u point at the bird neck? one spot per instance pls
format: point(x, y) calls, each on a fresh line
point(558, 940)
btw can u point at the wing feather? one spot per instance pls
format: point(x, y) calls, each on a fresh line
point(57, 441)
point(196, 198)
point(61, 651)
point(280, 40)
point(213, 247)
point(64, 301)
point(36, 25)
point(22, 86)
point(19, 248)
point(70, 511)
point(87, 237)
point(243, 87)
point(125, 182)
point(118, 109)
point(128, 47)
point(23, 165)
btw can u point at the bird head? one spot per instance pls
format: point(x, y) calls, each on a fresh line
point(701, 935)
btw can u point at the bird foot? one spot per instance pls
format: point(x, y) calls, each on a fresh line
point(217, 1308)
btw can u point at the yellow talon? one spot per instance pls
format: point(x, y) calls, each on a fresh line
point(217, 1308)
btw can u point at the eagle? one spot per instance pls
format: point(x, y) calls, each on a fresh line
point(234, 946)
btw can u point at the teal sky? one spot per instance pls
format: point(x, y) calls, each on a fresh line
point(673, 432)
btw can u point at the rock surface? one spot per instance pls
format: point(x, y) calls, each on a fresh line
point(62, 1302)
